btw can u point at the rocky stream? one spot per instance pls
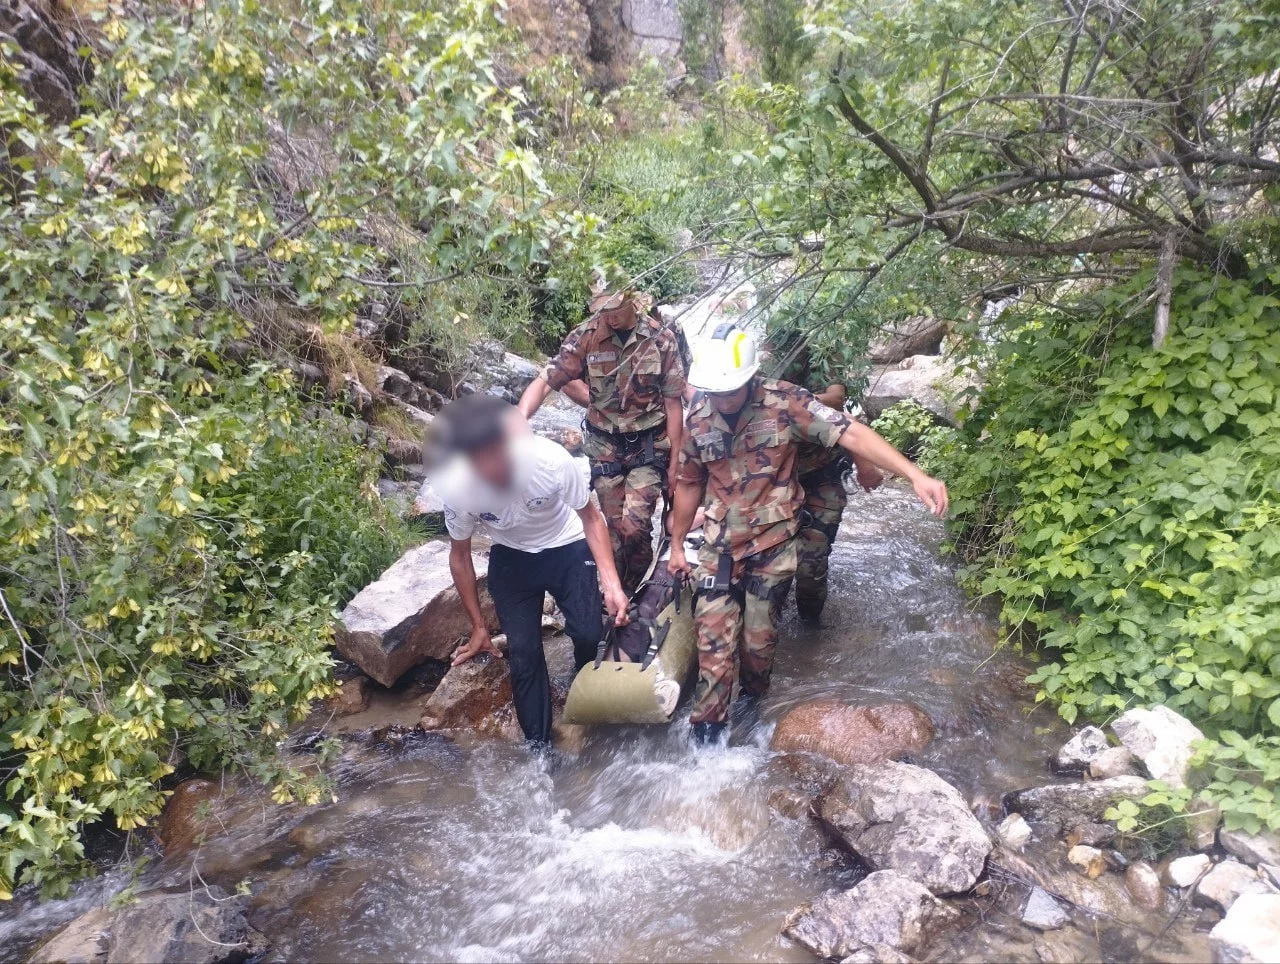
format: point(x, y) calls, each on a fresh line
point(456, 845)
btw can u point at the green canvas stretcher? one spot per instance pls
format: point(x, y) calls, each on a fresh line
point(641, 686)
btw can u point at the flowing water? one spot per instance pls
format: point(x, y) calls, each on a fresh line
point(638, 847)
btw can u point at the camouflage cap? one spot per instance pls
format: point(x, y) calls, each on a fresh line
point(614, 287)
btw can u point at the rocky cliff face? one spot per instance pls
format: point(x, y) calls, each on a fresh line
point(46, 46)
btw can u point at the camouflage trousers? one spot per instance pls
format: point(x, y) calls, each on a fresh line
point(824, 502)
point(628, 502)
point(738, 629)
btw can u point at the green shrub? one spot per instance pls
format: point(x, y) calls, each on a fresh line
point(1123, 503)
point(174, 531)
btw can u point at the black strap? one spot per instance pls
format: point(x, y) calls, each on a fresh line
point(659, 637)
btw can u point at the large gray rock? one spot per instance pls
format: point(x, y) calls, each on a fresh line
point(1065, 805)
point(885, 915)
point(1163, 740)
point(1250, 933)
point(411, 614)
point(932, 381)
point(1079, 751)
point(1252, 848)
point(896, 816)
point(919, 335)
point(488, 367)
point(198, 926)
point(655, 26)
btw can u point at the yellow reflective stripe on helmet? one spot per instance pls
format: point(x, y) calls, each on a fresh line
point(737, 349)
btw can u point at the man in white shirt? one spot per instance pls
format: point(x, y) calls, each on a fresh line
point(533, 501)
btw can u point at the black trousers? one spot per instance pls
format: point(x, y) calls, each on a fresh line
point(518, 582)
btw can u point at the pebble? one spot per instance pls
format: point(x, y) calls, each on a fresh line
point(1090, 861)
point(1014, 832)
point(1091, 835)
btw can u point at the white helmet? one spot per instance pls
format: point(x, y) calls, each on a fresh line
point(725, 361)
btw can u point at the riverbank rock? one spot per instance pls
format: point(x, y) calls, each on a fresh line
point(1066, 805)
point(475, 695)
point(919, 335)
point(427, 507)
point(1079, 751)
point(46, 53)
point(1088, 860)
point(1185, 871)
point(1114, 761)
point(488, 367)
point(352, 696)
point(885, 916)
point(1227, 881)
point(895, 816)
point(1250, 933)
point(1161, 739)
point(854, 734)
point(932, 381)
point(411, 614)
point(1252, 848)
point(198, 926)
point(188, 815)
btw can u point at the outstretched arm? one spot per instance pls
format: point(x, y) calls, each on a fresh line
point(463, 570)
point(860, 440)
point(534, 396)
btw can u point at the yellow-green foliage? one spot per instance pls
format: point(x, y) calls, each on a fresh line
point(173, 537)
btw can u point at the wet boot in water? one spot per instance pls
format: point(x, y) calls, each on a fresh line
point(708, 734)
point(809, 610)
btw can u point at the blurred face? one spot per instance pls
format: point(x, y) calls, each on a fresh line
point(620, 319)
point(727, 403)
point(492, 463)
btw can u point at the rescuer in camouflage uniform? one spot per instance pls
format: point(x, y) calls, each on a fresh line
point(740, 451)
point(822, 476)
point(634, 379)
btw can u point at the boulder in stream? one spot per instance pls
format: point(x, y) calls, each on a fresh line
point(411, 614)
point(895, 816)
point(1227, 881)
point(884, 918)
point(1252, 848)
point(1043, 912)
point(854, 734)
point(1066, 805)
point(918, 335)
point(475, 695)
point(1163, 740)
point(1250, 933)
point(188, 815)
point(203, 925)
point(933, 381)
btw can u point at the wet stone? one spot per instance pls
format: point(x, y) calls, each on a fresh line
point(854, 734)
point(1065, 805)
point(1091, 835)
point(1143, 884)
point(884, 910)
point(1078, 752)
point(1014, 832)
point(1163, 740)
point(1090, 861)
point(1043, 912)
point(188, 816)
point(1253, 849)
point(1114, 761)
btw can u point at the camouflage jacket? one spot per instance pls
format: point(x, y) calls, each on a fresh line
point(753, 495)
point(813, 458)
point(628, 374)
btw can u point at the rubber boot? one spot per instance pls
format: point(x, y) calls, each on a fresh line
point(708, 734)
point(809, 610)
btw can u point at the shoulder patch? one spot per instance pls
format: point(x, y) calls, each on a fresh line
point(824, 412)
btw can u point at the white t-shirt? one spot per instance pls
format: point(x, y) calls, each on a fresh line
point(539, 511)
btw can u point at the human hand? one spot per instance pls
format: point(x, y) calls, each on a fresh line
point(616, 602)
point(677, 564)
point(480, 642)
point(932, 493)
point(672, 481)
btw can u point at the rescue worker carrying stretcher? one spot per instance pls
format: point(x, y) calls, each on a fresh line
point(822, 476)
point(634, 377)
point(740, 456)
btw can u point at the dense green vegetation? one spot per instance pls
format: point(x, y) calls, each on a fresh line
point(181, 513)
